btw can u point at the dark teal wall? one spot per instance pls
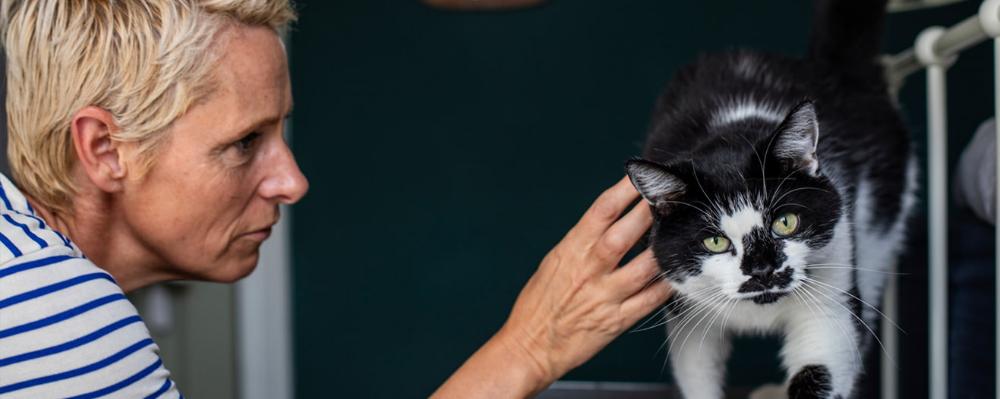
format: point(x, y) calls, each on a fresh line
point(449, 151)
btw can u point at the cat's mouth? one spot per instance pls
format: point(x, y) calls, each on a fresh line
point(769, 289)
point(767, 297)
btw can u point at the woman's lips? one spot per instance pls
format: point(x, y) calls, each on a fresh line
point(258, 235)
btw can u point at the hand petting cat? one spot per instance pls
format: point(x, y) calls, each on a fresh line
point(575, 304)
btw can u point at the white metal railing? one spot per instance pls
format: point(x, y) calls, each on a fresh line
point(936, 49)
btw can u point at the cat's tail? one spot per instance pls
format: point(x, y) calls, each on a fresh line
point(846, 39)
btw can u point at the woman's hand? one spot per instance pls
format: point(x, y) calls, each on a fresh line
point(572, 307)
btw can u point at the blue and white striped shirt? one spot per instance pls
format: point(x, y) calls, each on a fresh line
point(66, 328)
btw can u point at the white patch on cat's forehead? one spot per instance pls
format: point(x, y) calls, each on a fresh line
point(738, 224)
point(746, 109)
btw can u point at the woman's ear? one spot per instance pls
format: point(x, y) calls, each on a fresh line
point(97, 153)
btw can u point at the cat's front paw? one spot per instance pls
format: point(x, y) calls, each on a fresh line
point(769, 391)
point(813, 381)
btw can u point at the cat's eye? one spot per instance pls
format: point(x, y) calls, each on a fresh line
point(716, 244)
point(786, 224)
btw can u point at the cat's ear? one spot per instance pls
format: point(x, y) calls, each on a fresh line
point(796, 139)
point(654, 182)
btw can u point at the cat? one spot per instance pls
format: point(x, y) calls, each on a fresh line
point(781, 189)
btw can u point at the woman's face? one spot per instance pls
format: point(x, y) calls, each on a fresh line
point(212, 194)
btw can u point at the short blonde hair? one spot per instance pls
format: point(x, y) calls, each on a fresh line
point(144, 61)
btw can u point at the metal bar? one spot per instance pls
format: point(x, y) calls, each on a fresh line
point(965, 34)
point(898, 67)
point(937, 228)
point(996, 210)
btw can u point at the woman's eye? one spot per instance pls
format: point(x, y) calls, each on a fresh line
point(246, 143)
point(716, 244)
point(786, 224)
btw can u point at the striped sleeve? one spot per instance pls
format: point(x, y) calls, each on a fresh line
point(66, 328)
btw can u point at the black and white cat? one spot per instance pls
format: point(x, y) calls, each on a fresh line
point(780, 188)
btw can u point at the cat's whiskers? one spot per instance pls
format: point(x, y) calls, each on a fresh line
point(759, 160)
point(700, 308)
point(665, 311)
point(674, 333)
point(707, 298)
point(713, 307)
point(718, 208)
point(763, 167)
point(703, 212)
point(725, 321)
point(826, 317)
point(815, 289)
point(797, 190)
point(782, 183)
point(731, 302)
point(835, 289)
point(661, 314)
point(795, 204)
point(849, 267)
point(743, 179)
point(667, 318)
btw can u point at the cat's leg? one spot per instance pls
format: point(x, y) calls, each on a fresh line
point(698, 358)
point(821, 351)
point(769, 391)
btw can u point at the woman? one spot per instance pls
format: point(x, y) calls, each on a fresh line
point(146, 146)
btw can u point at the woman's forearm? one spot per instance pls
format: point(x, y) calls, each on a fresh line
point(499, 369)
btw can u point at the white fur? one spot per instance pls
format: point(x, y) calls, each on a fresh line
point(878, 251)
point(738, 224)
point(741, 109)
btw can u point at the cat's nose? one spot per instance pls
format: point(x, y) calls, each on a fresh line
point(762, 271)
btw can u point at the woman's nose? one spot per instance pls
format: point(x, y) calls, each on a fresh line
point(284, 182)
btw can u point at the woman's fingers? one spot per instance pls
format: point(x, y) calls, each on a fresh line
point(645, 301)
point(605, 211)
point(623, 235)
point(639, 287)
point(627, 280)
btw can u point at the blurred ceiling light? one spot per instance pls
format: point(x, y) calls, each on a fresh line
point(482, 5)
point(906, 5)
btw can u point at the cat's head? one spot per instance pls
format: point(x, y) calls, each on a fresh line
point(742, 217)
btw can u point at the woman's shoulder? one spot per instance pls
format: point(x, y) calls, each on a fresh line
point(66, 327)
point(22, 232)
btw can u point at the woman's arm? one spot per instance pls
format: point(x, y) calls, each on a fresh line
point(572, 307)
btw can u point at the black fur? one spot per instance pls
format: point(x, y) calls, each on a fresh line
point(696, 159)
point(812, 382)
